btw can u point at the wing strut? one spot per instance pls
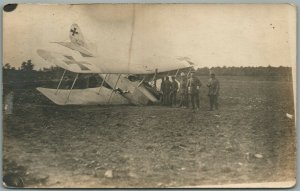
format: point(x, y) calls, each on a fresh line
point(154, 77)
point(189, 72)
point(72, 88)
point(177, 72)
point(62, 77)
point(103, 80)
point(113, 89)
point(141, 81)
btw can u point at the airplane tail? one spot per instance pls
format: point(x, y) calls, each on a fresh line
point(76, 36)
point(77, 42)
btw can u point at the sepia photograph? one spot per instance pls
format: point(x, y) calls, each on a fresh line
point(149, 96)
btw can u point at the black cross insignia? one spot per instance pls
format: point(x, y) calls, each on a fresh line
point(73, 31)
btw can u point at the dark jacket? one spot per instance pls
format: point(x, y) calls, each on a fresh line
point(193, 85)
point(213, 87)
point(174, 86)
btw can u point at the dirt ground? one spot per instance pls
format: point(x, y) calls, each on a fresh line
point(248, 140)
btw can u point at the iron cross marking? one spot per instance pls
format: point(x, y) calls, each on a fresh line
point(73, 31)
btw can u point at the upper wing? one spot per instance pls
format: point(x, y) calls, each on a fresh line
point(68, 62)
point(158, 75)
point(183, 64)
point(175, 73)
point(82, 50)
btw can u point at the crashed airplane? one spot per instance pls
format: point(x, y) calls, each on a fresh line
point(127, 84)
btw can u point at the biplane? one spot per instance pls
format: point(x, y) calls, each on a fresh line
point(127, 83)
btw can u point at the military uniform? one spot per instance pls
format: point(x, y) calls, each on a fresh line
point(213, 92)
point(162, 87)
point(166, 92)
point(173, 94)
point(193, 85)
point(183, 92)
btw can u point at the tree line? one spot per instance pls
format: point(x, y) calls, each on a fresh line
point(246, 71)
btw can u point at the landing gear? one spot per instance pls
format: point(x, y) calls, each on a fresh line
point(114, 89)
point(177, 73)
point(141, 82)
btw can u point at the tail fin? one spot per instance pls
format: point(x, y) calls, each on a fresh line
point(77, 42)
point(76, 36)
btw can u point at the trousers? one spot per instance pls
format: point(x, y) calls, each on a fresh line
point(183, 99)
point(195, 99)
point(173, 98)
point(213, 101)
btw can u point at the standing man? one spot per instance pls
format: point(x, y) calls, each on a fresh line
point(183, 90)
point(8, 101)
point(162, 89)
point(167, 91)
point(174, 88)
point(213, 91)
point(194, 85)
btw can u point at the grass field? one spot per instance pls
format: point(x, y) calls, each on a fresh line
point(249, 140)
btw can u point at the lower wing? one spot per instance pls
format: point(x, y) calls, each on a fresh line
point(89, 96)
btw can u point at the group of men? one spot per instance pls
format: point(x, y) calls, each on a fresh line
point(189, 91)
point(169, 91)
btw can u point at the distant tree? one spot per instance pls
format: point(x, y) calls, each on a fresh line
point(45, 69)
point(203, 71)
point(7, 66)
point(55, 69)
point(23, 66)
point(247, 71)
point(27, 66)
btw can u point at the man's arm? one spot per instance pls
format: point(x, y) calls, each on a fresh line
point(217, 87)
point(188, 83)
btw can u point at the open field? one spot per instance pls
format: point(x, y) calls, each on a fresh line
point(155, 146)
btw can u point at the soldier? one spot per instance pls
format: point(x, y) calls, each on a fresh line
point(183, 90)
point(194, 85)
point(8, 101)
point(167, 91)
point(174, 88)
point(213, 91)
point(162, 87)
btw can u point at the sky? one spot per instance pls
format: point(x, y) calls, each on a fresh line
point(210, 35)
